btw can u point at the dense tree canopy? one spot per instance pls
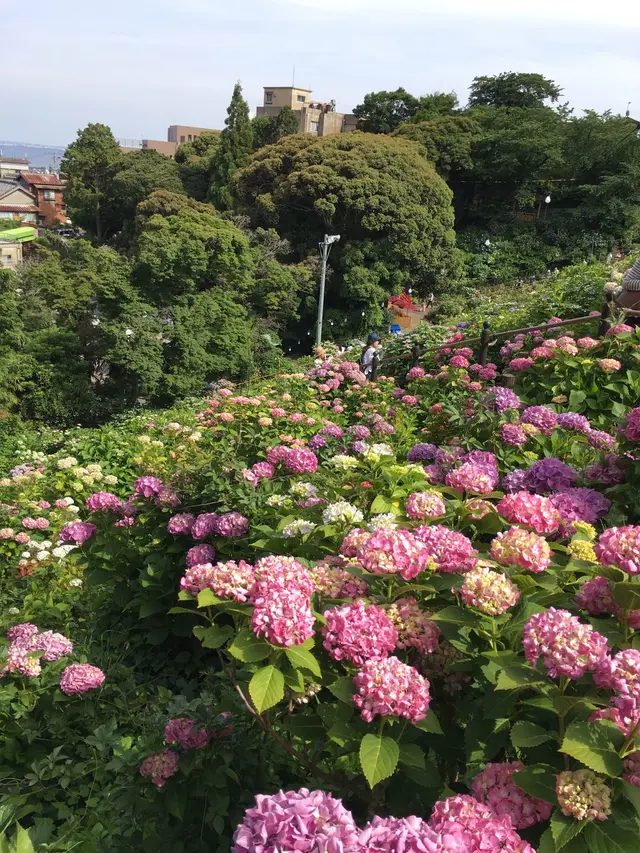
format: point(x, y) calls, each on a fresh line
point(447, 140)
point(392, 210)
point(269, 129)
point(195, 164)
point(511, 89)
point(236, 144)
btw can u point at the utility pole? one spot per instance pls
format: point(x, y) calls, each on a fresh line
point(325, 248)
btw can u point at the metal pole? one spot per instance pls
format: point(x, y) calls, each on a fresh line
point(324, 248)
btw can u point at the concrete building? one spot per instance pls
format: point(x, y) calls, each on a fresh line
point(180, 133)
point(177, 134)
point(12, 244)
point(17, 203)
point(10, 167)
point(48, 191)
point(318, 118)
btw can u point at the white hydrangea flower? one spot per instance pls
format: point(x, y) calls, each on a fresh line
point(110, 479)
point(67, 462)
point(144, 439)
point(43, 555)
point(343, 462)
point(63, 551)
point(382, 449)
point(75, 582)
point(276, 500)
point(13, 611)
point(342, 512)
point(298, 527)
point(385, 520)
point(304, 490)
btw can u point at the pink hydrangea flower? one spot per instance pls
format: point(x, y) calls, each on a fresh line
point(200, 554)
point(477, 508)
point(631, 428)
point(104, 502)
point(518, 547)
point(621, 673)
point(495, 787)
point(595, 597)
point(402, 835)
point(542, 417)
point(414, 626)
point(300, 461)
point(181, 524)
point(301, 820)
point(393, 552)
point(632, 769)
point(609, 365)
point(521, 364)
point(277, 454)
point(226, 580)
point(619, 329)
point(535, 511)
point(231, 524)
point(183, 730)
point(358, 633)
point(77, 531)
point(513, 434)
point(206, 524)
point(568, 647)
point(148, 487)
point(421, 505)
point(451, 551)
point(583, 795)
point(472, 477)
point(416, 373)
point(22, 631)
point(587, 343)
point(467, 826)
point(390, 687)
point(331, 580)
point(620, 546)
point(80, 678)
point(490, 592)
point(160, 767)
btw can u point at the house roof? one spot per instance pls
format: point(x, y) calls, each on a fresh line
point(8, 186)
point(18, 208)
point(22, 161)
point(44, 181)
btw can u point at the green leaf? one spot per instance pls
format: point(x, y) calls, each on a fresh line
point(575, 398)
point(538, 780)
point(343, 689)
point(513, 677)
point(525, 734)
point(378, 758)
point(302, 659)
point(609, 837)
point(564, 828)
point(412, 756)
point(23, 841)
point(213, 637)
point(206, 598)
point(430, 724)
point(590, 744)
point(455, 615)
point(380, 505)
point(266, 688)
point(627, 595)
point(176, 801)
point(249, 648)
point(631, 792)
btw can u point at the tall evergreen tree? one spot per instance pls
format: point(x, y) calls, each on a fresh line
point(236, 144)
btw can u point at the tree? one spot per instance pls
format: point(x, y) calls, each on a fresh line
point(269, 129)
point(382, 112)
point(195, 163)
point(392, 210)
point(85, 165)
point(447, 141)
point(433, 106)
point(511, 89)
point(130, 180)
point(236, 144)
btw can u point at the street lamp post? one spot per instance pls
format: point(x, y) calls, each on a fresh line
point(325, 248)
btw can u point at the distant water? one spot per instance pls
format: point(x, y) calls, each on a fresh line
point(38, 155)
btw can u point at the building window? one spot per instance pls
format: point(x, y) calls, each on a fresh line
point(49, 195)
point(182, 140)
point(190, 138)
point(315, 126)
point(302, 98)
point(268, 97)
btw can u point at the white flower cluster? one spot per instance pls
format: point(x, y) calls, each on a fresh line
point(376, 451)
point(304, 491)
point(343, 462)
point(341, 512)
point(277, 500)
point(298, 527)
point(61, 552)
point(386, 520)
point(66, 462)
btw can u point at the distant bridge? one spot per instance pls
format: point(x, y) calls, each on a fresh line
point(30, 145)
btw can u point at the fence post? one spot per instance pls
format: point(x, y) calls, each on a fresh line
point(508, 380)
point(606, 313)
point(374, 367)
point(484, 342)
point(415, 355)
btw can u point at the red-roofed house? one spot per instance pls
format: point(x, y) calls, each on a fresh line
point(49, 194)
point(17, 203)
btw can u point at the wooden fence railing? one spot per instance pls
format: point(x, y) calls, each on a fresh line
point(487, 338)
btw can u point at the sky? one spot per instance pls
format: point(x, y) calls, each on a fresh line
point(142, 65)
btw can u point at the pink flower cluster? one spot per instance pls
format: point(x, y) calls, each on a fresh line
point(490, 592)
point(160, 766)
point(393, 552)
point(27, 645)
point(300, 461)
point(35, 523)
point(596, 598)
point(495, 788)
point(513, 434)
point(183, 730)
point(478, 478)
point(181, 524)
point(148, 487)
point(568, 647)
point(357, 633)
point(77, 531)
point(229, 524)
point(535, 511)
point(200, 554)
point(542, 417)
point(104, 502)
point(390, 687)
point(414, 626)
point(467, 826)
point(226, 580)
point(80, 678)
point(281, 597)
point(450, 551)
point(631, 428)
point(421, 505)
point(523, 548)
point(620, 546)
point(297, 820)
point(331, 580)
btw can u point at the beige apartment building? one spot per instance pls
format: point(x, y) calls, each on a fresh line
point(177, 134)
point(315, 117)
